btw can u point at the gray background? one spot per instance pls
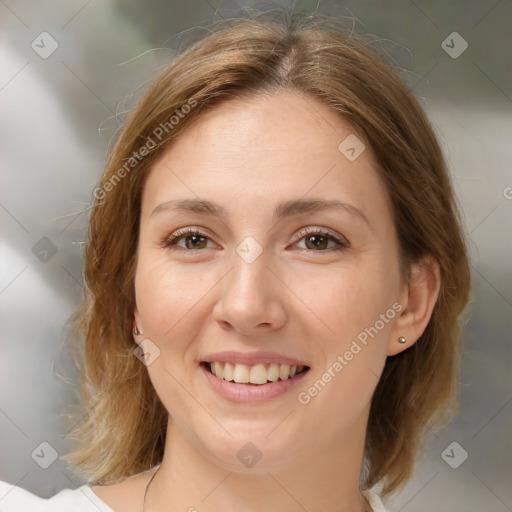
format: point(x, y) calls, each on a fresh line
point(58, 115)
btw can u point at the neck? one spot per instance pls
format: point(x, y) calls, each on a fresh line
point(326, 478)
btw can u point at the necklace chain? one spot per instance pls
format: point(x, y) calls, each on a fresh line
point(368, 507)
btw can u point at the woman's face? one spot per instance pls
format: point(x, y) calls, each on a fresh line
point(272, 277)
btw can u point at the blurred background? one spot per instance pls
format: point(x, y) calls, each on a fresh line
point(70, 70)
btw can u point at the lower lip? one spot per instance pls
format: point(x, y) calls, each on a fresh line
point(244, 393)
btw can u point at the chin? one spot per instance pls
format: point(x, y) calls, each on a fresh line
point(251, 454)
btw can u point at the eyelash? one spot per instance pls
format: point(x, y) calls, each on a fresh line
point(188, 232)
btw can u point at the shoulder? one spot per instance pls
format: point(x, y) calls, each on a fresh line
point(82, 499)
point(373, 495)
point(128, 494)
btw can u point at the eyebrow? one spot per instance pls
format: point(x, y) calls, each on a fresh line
point(282, 210)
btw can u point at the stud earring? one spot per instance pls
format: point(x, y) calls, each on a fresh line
point(402, 339)
point(136, 331)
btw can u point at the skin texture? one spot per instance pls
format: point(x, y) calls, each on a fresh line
point(302, 297)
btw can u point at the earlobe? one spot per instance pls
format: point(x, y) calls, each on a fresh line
point(419, 299)
point(137, 329)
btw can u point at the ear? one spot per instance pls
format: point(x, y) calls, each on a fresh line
point(418, 299)
point(136, 323)
point(136, 317)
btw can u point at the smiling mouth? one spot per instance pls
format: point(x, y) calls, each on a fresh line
point(257, 374)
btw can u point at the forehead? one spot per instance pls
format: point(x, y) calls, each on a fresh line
point(267, 149)
point(285, 123)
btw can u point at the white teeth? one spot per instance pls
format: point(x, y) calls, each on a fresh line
point(217, 369)
point(257, 374)
point(228, 371)
point(273, 372)
point(241, 373)
point(284, 372)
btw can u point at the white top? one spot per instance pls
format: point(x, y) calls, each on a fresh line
point(83, 499)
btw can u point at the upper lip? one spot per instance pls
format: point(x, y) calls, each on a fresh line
point(252, 358)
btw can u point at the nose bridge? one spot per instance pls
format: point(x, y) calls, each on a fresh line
point(248, 295)
point(249, 261)
point(249, 278)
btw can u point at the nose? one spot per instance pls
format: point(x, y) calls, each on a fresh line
point(250, 298)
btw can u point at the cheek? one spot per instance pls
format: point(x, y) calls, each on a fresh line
point(348, 301)
point(166, 293)
point(354, 311)
point(168, 299)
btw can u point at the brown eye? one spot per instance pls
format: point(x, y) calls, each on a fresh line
point(318, 240)
point(193, 239)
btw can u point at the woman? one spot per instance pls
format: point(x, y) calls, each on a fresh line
point(275, 271)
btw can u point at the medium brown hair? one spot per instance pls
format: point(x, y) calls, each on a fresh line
point(124, 430)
